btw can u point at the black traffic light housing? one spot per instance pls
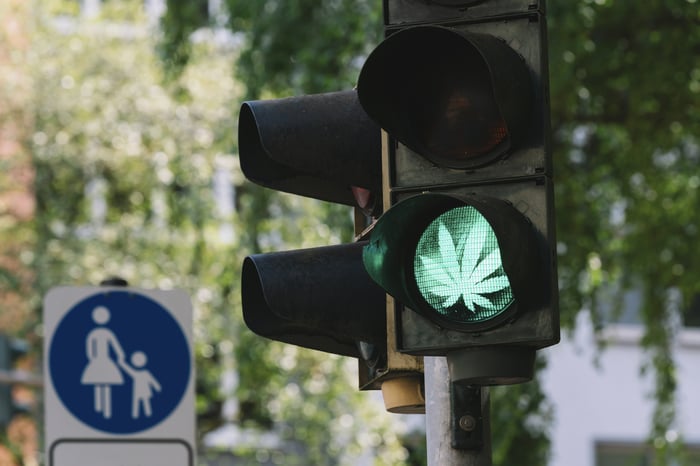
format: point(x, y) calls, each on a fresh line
point(418, 64)
point(318, 298)
point(322, 146)
point(470, 94)
point(404, 12)
point(11, 351)
point(462, 89)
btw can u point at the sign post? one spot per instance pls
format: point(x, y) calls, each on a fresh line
point(119, 372)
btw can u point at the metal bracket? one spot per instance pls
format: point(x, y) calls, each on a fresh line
point(467, 421)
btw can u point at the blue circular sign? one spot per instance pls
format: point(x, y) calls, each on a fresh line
point(119, 362)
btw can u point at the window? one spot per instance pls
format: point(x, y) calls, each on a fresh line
point(636, 454)
point(691, 317)
point(621, 455)
point(626, 309)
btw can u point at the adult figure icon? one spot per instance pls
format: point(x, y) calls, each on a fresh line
point(102, 371)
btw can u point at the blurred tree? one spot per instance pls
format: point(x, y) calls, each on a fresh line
point(135, 178)
point(290, 47)
point(16, 173)
point(124, 168)
point(625, 93)
point(18, 439)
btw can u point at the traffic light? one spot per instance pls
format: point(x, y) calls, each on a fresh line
point(467, 247)
point(318, 298)
point(11, 351)
point(322, 146)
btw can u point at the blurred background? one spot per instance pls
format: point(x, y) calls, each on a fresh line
point(118, 157)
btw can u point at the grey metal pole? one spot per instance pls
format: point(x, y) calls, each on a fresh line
point(437, 420)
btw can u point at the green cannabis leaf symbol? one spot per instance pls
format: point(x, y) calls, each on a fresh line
point(458, 258)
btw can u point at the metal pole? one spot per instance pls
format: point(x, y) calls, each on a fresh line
point(438, 416)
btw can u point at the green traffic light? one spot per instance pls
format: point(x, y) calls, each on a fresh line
point(459, 270)
point(467, 263)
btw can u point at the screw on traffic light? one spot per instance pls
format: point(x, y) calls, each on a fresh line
point(467, 246)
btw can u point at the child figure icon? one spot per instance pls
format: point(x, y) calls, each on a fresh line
point(143, 384)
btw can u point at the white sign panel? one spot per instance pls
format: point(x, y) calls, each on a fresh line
point(119, 374)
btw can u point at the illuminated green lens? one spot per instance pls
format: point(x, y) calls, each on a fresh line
point(458, 267)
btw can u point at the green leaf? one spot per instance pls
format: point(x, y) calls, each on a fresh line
point(458, 267)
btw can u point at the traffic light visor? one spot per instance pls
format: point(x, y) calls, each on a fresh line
point(319, 298)
point(318, 146)
point(459, 99)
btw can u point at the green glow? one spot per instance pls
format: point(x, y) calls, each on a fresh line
point(458, 267)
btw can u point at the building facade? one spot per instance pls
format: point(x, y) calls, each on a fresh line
point(604, 403)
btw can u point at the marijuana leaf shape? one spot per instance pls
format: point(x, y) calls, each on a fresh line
point(469, 268)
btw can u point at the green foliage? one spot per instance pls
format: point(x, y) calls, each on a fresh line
point(290, 46)
point(123, 174)
point(625, 93)
point(16, 201)
point(284, 53)
point(61, 8)
point(520, 423)
point(181, 19)
point(124, 167)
